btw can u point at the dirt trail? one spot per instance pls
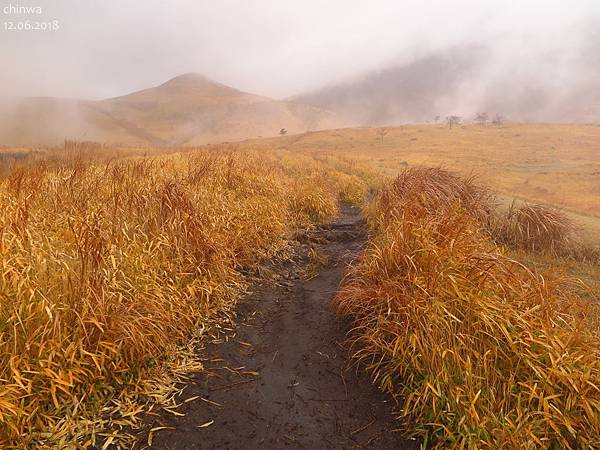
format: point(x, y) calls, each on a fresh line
point(303, 395)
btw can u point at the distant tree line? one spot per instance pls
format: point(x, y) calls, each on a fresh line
point(453, 121)
point(482, 118)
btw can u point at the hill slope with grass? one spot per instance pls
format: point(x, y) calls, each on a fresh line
point(545, 163)
point(188, 109)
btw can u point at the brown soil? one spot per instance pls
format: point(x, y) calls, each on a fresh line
point(283, 380)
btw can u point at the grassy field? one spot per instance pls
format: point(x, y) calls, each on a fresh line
point(114, 262)
point(111, 264)
point(548, 163)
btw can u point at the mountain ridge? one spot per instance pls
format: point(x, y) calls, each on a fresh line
point(189, 109)
point(463, 80)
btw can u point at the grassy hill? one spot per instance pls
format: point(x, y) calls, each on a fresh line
point(554, 164)
point(189, 109)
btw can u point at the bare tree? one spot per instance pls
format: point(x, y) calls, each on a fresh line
point(453, 120)
point(283, 132)
point(482, 118)
point(381, 133)
point(498, 120)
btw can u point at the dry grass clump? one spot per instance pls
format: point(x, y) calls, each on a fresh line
point(536, 228)
point(481, 351)
point(352, 189)
point(312, 201)
point(419, 191)
point(356, 180)
point(69, 155)
point(352, 182)
point(106, 269)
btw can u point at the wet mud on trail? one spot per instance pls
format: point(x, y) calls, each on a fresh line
point(283, 380)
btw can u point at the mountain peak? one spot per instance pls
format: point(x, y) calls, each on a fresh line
point(192, 80)
point(189, 77)
point(188, 109)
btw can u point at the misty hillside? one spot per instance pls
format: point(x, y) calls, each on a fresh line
point(189, 109)
point(464, 81)
point(192, 109)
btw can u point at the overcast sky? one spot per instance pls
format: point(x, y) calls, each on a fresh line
point(277, 48)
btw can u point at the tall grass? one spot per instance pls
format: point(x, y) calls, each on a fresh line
point(481, 351)
point(107, 267)
point(536, 228)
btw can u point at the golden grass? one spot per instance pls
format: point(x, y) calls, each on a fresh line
point(481, 351)
point(431, 189)
point(113, 264)
point(536, 228)
point(550, 164)
point(108, 266)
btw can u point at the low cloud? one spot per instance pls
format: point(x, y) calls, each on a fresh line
point(543, 53)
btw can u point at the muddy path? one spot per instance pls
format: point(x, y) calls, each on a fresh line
point(283, 380)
